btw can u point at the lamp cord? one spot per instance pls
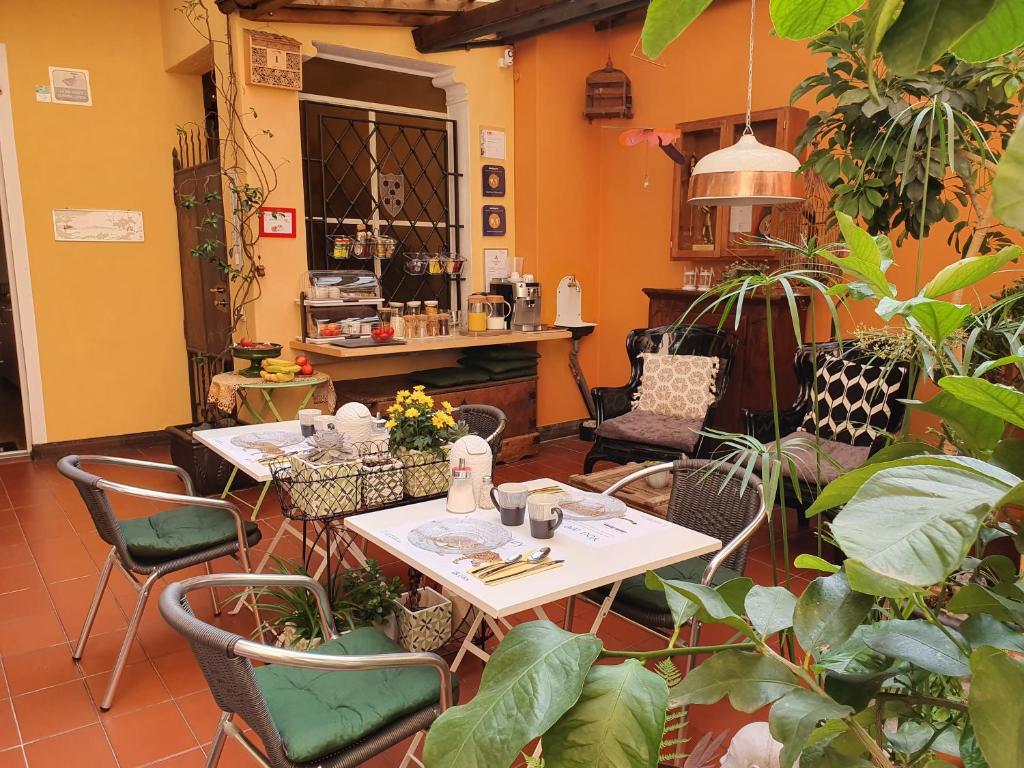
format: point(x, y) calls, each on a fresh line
point(750, 66)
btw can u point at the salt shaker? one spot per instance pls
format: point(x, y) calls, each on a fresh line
point(484, 500)
point(461, 500)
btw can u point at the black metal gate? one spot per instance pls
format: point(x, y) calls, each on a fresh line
point(394, 173)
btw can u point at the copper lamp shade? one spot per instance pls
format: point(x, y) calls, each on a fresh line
point(747, 173)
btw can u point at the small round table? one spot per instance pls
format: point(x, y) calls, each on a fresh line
point(224, 386)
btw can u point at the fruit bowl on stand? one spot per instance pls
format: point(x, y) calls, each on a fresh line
point(255, 354)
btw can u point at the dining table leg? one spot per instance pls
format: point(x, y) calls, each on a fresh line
point(570, 612)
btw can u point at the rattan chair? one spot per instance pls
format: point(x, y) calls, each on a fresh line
point(194, 531)
point(300, 702)
point(706, 499)
point(486, 421)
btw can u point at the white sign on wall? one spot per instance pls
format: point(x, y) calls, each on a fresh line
point(70, 86)
point(90, 225)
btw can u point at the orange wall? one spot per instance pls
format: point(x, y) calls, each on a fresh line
point(580, 201)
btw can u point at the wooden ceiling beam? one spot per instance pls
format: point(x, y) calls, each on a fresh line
point(386, 6)
point(510, 20)
point(355, 18)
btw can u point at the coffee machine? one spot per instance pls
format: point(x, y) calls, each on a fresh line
point(526, 305)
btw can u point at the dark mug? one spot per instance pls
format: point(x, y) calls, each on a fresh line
point(545, 529)
point(510, 499)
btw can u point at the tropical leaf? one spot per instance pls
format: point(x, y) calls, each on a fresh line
point(666, 20)
point(719, 605)
point(863, 579)
point(799, 19)
point(967, 272)
point(815, 563)
point(770, 609)
point(975, 600)
point(915, 524)
point(534, 676)
point(983, 629)
point(1009, 455)
point(827, 613)
point(793, 717)
point(1008, 184)
point(996, 706)
point(926, 29)
point(879, 17)
point(902, 449)
point(938, 319)
point(920, 643)
point(618, 721)
point(1000, 32)
point(977, 430)
point(997, 399)
point(864, 261)
point(750, 680)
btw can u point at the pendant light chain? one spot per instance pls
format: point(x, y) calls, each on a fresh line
point(750, 66)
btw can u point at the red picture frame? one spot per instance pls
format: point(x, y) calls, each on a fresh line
point(277, 222)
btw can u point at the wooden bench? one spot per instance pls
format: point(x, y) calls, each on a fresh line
point(516, 397)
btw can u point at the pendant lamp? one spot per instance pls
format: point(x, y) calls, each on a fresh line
point(748, 172)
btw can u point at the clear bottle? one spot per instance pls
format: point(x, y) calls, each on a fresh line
point(461, 500)
point(484, 501)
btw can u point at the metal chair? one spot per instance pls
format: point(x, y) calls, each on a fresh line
point(274, 699)
point(196, 531)
point(706, 499)
point(486, 421)
point(614, 402)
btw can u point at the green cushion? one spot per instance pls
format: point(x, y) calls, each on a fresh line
point(449, 377)
point(181, 531)
point(502, 353)
point(318, 713)
point(514, 374)
point(497, 366)
point(634, 593)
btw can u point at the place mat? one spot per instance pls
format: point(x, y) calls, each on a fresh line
point(224, 389)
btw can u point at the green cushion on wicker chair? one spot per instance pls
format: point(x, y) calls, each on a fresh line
point(635, 594)
point(178, 532)
point(318, 713)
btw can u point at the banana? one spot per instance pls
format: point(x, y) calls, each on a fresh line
point(282, 368)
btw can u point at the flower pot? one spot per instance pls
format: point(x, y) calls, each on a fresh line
point(428, 628)
point(426, 472)
point(323, 490)
point(287, 638)
point(383, 481)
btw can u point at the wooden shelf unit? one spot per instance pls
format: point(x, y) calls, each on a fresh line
point(778, 127)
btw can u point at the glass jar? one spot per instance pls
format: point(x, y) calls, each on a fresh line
point(444, 324)
point(435, 266)
point(484, 500)
point(413, 308)
point(431, 325)
point(430, 307)
point(479, 309)
point(413, 326)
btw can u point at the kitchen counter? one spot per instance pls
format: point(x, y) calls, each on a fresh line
point(438, 343)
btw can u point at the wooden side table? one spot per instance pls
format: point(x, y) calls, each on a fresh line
point(638, 495)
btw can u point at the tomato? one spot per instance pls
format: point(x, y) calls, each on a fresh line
point(301, 360)
point(307, 369)
point(246, 342)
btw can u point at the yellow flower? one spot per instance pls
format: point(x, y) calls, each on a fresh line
point(390, 423)
point(447, 406)
point(411, 413)
point(396, 408)
point(418, 388)
point(402, 395)
point(436, 421)
point(442, 420)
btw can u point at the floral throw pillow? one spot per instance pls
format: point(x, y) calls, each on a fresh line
point(677, 385)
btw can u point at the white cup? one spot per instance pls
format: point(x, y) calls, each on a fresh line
point(495, 323)
point(324, 422)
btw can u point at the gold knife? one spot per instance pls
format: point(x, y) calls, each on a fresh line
point(526, 572)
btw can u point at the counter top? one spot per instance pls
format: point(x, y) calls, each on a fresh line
point(439, 343)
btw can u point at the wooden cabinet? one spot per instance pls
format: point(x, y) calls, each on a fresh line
point(700, 232)
point(516, 397)
point(749, 383)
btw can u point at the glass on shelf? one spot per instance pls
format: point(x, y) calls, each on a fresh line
point(435, 266)
point(415, 264)
point(453, 265)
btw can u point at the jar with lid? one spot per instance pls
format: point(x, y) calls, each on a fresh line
point(430, 307)
point(479, 311)
point(413, 308)
point(413, 326)
point(444, 324)
point(461, 499)
point(484, 500)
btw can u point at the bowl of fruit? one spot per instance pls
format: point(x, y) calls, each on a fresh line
point(255, 352)
point(382, 333)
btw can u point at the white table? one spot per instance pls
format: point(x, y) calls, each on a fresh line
point(614, 552)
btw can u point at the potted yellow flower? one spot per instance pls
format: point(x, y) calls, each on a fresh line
point(421, 437)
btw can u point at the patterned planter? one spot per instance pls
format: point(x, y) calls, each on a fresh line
point(428, 628)
point(426, 472)
point(323, 490)
point(382, 480)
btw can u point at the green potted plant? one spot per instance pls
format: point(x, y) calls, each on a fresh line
point(421, 437)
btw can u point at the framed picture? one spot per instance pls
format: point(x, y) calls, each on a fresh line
point(277, 222)
point(70, 86)
point(493, 181)
point(494, 220)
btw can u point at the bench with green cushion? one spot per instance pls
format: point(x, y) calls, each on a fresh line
point(179, 532)
point(318, 713)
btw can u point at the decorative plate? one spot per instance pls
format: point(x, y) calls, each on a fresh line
point(583, 505)
point(459, 537)
point(265, 440)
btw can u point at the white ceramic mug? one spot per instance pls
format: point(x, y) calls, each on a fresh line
point(324, 422)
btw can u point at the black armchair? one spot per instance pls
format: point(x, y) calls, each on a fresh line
point(815, 469)
point(615, 444)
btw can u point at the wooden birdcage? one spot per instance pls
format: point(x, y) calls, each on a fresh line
point(798, 223)
point(609, 94)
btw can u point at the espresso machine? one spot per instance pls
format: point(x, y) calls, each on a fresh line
point(524, 297)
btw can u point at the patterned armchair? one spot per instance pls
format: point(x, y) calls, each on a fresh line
point(624, 435)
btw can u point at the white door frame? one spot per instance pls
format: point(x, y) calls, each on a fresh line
point(16, 246)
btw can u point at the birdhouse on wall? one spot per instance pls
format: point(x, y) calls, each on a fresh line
point(273, 60)
point(609, 94)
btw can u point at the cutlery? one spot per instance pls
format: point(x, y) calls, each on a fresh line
point(482, 569)
point(531, 559)
point(550, 564)
point(547, 489)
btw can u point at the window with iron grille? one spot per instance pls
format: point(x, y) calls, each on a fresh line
point(394, 173)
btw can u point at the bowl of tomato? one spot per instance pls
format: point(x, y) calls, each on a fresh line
point(382, 333)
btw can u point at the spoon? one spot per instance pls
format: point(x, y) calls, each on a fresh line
point(532, 558)
point(501, 564)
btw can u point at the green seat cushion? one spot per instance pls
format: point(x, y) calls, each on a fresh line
point(635, 594)
point(449, 377)
point(497, 366)
point(502, 353)
point(515, 373)
point(181, 531)
point(318, 713)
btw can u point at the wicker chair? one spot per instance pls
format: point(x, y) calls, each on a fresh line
point(613, 403)
point(195, 531)
point(486, 421)
point(706, 499)
point(334, 707)
point(813, 474)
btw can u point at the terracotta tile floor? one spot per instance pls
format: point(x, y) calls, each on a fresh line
point(163, 715)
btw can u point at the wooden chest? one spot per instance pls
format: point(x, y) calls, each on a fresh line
point(516, 397)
